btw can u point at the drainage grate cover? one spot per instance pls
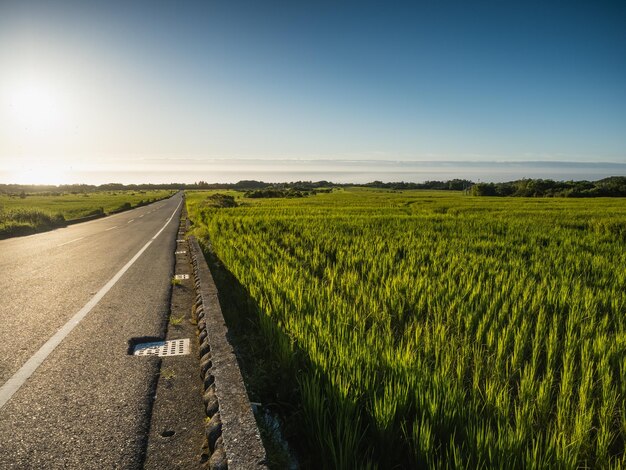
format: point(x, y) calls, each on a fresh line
point(182, 276)
point(174, 347)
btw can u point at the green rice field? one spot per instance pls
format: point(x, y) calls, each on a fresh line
point(434, 329)
point(36, 212)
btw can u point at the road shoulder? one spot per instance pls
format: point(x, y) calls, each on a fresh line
point(176, 431)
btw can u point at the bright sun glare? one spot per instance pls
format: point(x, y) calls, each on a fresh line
point(36, 105)
point(35, 113)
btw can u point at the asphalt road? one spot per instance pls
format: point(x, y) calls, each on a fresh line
point(87, 404)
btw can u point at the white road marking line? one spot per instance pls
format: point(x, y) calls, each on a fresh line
point(14, 383)
point(110, 228)
point(141, 215)
point(130, 221)
point(71, 241)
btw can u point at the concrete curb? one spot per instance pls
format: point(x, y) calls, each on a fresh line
point(233, 437)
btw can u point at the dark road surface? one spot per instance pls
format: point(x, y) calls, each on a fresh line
point(87, 405)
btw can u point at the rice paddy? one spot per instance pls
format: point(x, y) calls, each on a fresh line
point(436, 329)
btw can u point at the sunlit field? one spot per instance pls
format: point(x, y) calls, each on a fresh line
point(31, 213)
point(434, 329)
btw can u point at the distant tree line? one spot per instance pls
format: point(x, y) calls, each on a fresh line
point(244, 185)
point(277, 192)
point(49, 190)
point(451, 185)
point(614, 186)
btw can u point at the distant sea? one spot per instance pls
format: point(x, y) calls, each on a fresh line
point(338, 171)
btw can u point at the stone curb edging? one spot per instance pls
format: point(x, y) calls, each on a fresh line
point(233, 437)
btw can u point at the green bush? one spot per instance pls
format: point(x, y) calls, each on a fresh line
point(219, 200)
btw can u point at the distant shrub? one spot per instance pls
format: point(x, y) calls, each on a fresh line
point(483, 189)
point(220, 200)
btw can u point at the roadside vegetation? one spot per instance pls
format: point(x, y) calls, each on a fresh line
point(24, 221)
point(26, 213)
point(421, 329)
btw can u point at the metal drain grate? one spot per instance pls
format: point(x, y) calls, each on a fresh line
point(181, 276)
point(174, 347)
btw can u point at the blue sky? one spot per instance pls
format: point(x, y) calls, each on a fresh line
point(138, 85)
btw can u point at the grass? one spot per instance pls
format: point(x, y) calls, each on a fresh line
point(419, 329)
point(25, 221)
point(176, 321)
point(36, 213)
point(167, 373)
